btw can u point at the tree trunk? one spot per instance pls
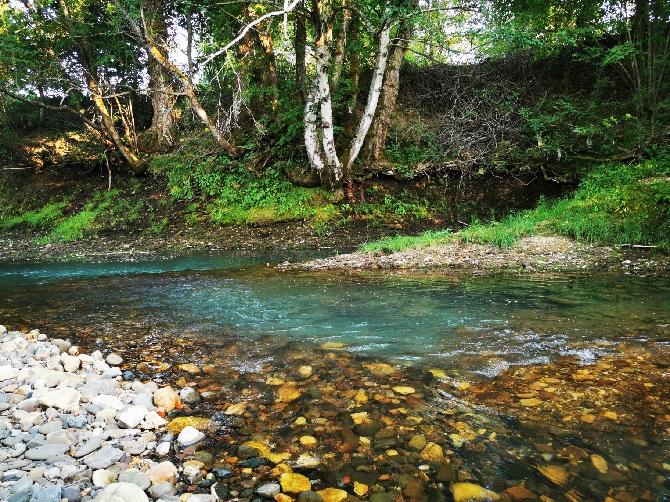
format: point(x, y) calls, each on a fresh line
point(382, 122)
point(312, 145)
point(90, 72)
point(341, 44)
point(160, 135)
point(270, 76)
point(373, 96)
point(322, 57)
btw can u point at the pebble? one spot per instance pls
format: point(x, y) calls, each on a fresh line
point(189, 436)
point(268, 490)
point(103, 458)
point(122, 492)
point(114, 359)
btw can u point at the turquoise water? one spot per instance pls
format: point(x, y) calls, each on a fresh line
point(477, 324)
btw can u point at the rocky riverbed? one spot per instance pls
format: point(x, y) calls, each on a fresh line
point(539, 254)
point(179, 421)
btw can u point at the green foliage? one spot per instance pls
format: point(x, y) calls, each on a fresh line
point(38, 218)
point(83, 223)
point(402, 242)
point(614, 204)
point(231, 194)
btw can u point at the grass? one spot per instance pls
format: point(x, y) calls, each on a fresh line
point(38, 218)
point(614, 204)
point(402, 242)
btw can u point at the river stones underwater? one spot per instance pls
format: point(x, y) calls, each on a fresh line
point(322, 424)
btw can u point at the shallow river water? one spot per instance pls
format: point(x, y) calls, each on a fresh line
point(448, 334)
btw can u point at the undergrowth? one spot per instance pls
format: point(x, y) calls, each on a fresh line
point(614, 204)
point(230, 194)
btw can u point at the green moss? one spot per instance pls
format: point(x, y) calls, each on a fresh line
point(82, 223)
point(38, 218)
point(231, 194)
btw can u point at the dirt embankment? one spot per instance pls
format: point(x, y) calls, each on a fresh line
point(530, 254)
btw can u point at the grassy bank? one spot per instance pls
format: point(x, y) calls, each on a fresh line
point(614, 204)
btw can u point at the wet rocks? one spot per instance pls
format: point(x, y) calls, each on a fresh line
point(470, 492)
point(167, 399)
point(294, 483)
point(189, 436)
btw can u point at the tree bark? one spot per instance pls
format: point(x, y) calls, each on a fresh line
point(322, 57)
point(382, 122)
point(312, 145)
point(373, 96)
point(160, 134)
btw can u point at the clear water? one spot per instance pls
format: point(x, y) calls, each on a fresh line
point(240, 315)
point(478, 324)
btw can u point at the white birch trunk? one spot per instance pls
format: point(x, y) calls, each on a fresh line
point(373, 97)
point(312, 144)
point(322, 57)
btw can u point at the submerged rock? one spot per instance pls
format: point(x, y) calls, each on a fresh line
point(471, 492)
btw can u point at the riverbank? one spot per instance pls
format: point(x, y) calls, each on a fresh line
point(322, 424)
point(538, 254)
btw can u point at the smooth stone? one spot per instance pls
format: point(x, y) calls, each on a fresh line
point(166, 398)
point(153, 421)
point(131, 416)
point(122, 492)
point(76, 422)
point(134, 446)
point(7, 372)
point(189, 436)
point(470, 492)
point(71, 493)
point(88, 447)
point(200, 497)
point(189, 395)
point(96, 387)
point(114, 359)
point(135, 477)
point(144, 400)
point(108, 401)
point(163, 449)
point(70, 363)
point(51, 493)
point(65, 399)
point(103, 477)
point(161, 489)
point(268, 490)
point(51, 426)
point(22, 485)
point(46, 451)
point(165, 471)
point(103, 458)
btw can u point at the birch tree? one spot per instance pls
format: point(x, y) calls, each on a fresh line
point(318, 114)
